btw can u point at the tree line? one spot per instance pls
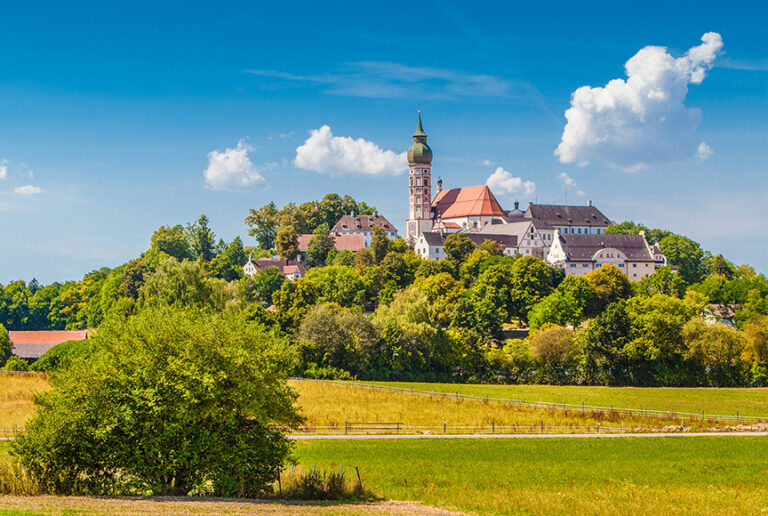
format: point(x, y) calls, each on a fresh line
point(385, 313)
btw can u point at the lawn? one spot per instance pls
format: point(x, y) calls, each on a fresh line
point(747, 401)
point(673, 475)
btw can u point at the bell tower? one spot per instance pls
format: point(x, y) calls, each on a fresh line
point(419, 185)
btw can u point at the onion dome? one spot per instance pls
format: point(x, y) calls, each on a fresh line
point(419, 151)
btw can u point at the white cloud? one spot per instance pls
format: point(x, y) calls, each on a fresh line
point(28, 190)
point(504, 183)
point(232, 169)
point(704, 151)
point(341, 155)
point(486, 162)
point(566, 179)
point(641, 121)
point(3, 172)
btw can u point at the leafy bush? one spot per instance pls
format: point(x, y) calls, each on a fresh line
point(59, 356)
point(173, 401)
point(16, 364)
point(321, 485)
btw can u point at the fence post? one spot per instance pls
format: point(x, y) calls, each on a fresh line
point(493, 427)
point(542, 426)
point(346, 426)
point(457, 396)
point(582, 406)
point(397, 427)
point(598, 427)
point(359, 482)
point(444, 425)
point(279, 483)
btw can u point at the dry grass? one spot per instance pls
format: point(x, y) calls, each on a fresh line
point(56, 505)
point(326, 404)
point(16, 392)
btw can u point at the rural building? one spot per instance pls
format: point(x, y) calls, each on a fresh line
point(289, 268)
point(581, 254)
point(31, 345)
point(429, 246)
point(534, 237)
point(344, 242)
point(363, 225)
point(573, 220)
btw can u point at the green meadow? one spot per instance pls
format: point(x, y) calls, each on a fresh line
point(660, 475)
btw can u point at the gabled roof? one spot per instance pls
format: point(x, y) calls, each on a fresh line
point(283, 266)
point(470, 201)
point(362, 223)
point(436, 239)
point(557, 215)
point(343, 242)
point(517, 227)
point(34, 344)
point(584, 247)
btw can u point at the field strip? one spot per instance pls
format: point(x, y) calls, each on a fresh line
point(537, 404)
point(299, 437)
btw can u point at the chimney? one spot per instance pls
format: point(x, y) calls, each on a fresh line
point(517, 205)
point(439, 184)
point(589, 202)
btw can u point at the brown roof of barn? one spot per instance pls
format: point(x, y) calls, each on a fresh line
point(362, 223)
point(343, 242)
point(584, 247)
point(557, 215)
point(34, 344)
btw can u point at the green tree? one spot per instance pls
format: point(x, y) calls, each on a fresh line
point(133, 275)
point(458, 247)
point(173, 402)
point(556, 351)
point(531, 281)
point(293, 301)
point(379, 244)
point(287, 243)
point(184, 284)
point(717, 350)
point(610, 285)
point(173, 241)
point(319, 246)
point(262, 225)
point(662, 281)
point(5, 345)
point(557, 308)
point(202, 239)
point(686, 255)
point(720, 266)
point(604, 340)
point(236, 252)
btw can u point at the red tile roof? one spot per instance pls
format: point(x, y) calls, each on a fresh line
point(344, 242)
point(34, 344)
point(471, 201)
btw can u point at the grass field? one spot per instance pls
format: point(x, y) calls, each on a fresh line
point(748, 402)
point(325, 404)
point(16, 394)
point(705, 475)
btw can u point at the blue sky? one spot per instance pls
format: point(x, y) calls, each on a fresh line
point(110, 115)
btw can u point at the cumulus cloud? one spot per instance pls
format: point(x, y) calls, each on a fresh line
point(704, 151)
point(232, 170)
point(566, 179)
point(3, 172)
point(502, 182)
point(641, 121)
point(342, 155)
point(28, 190)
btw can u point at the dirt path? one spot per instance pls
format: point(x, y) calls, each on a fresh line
point(174, 505)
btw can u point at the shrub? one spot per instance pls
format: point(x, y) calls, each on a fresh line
point(16, 364)
point(173, 401)
point(59, 356)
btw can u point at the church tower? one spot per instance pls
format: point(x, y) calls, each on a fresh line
point(419, 185)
